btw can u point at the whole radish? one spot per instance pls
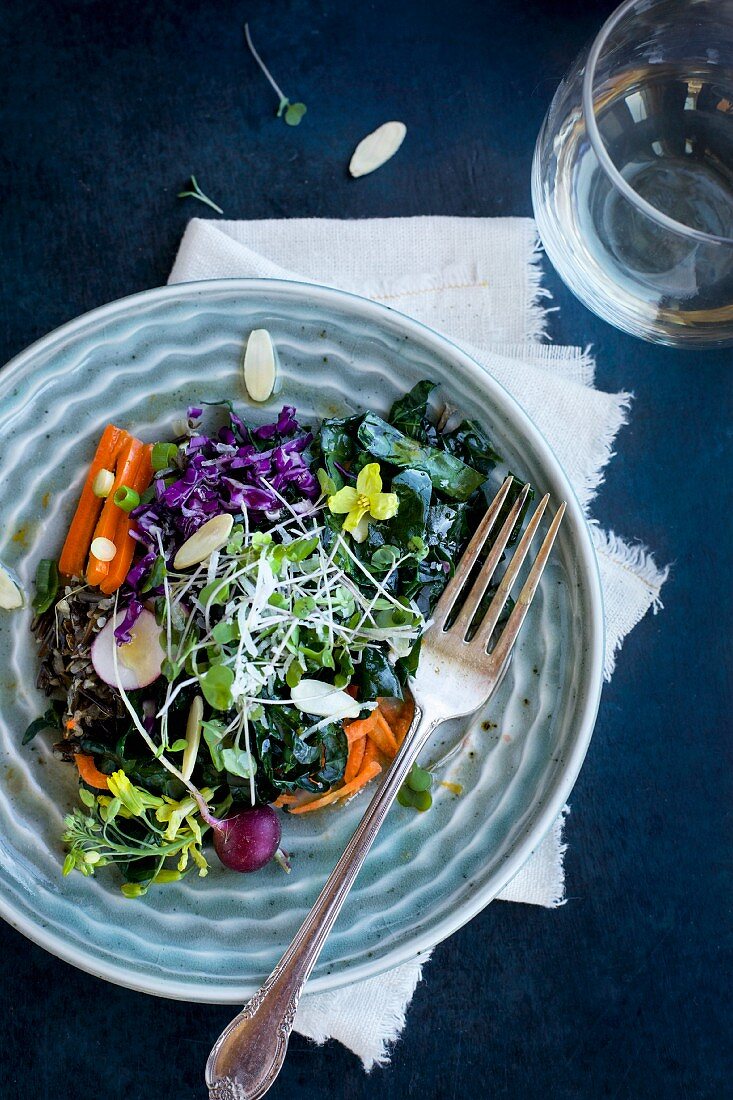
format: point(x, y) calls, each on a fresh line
point(248, 839)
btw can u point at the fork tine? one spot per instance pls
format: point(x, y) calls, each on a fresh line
point(503, 647)
point(452, 590)
point(479, 586)
point(495, 608)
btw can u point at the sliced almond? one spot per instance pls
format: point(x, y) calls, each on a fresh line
point(193, 736)
point(11, 594)
point(260, 366)
point(202, 543)
point(377, 148)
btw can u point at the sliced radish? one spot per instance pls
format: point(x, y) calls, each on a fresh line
point(211, 536)
point(138, 662)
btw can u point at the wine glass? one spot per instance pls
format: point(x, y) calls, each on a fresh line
point(632, 180)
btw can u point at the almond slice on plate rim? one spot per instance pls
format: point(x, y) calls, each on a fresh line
point(260, 365)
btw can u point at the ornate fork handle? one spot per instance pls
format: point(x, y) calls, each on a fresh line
point(456, 675)
point(248, 1055)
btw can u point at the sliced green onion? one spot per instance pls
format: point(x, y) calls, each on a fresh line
point(103, 482)
point(163, 456)
point(103, 549)
point(126, 498)
point(47, 585)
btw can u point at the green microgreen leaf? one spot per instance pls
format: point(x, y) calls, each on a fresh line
point(224, 632)
point(213, 733)
point(292, 113)
point(239, 762)
point(197, 193)
point(327, 484)
point(216, 685)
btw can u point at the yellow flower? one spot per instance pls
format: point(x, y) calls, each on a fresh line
point(128, 794)
point(135, 800)
point(363, 503)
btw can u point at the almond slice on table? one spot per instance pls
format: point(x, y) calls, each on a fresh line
point(376, 148)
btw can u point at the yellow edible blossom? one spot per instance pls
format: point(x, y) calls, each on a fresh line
point(134, 799)
point(363, 503)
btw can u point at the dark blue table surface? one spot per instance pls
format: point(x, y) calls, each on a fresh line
point(105, 110)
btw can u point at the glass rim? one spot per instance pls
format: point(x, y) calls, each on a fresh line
point(599, 146)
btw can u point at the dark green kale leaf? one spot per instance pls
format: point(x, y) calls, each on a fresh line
point(289, 761)
point(337, 440)
point(51, 721)
point(376, 677)
point(471, 444)
point(448, 474)
point(414, 490)
point(410, 413)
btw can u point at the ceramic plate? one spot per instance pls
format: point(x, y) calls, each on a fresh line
point(138, 362)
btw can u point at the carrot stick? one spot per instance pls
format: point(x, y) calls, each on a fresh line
point(355, 759)
point(76, 547)
point(362, 727)
point(127, 466)
point(383, 737)
point(123, 540)
point(89, 771)
point(371, 753)
point(355, 785)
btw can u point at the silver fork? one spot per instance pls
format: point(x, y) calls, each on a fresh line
point(455, 677)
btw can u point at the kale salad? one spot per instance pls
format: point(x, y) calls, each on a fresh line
point(228, 634)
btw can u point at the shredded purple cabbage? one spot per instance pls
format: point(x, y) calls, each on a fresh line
point(237, 470)
point(132, 614)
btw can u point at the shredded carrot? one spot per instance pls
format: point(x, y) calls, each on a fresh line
point(128, 464)
point(355, 785)
point(355, 759)
point(399, 714)
point(286, 800)
point(371, 753)
point(362, 727)
point(79, 538)
point(89, 771)
point(125, 543)
point(383, 737)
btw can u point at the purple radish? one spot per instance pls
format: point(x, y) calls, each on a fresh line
point(248, 839)
point(138, 662)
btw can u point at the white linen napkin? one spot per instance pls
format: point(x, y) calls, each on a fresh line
point(477, 280)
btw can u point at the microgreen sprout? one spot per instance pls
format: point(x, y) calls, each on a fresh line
point(197, 193)
point(292, 113)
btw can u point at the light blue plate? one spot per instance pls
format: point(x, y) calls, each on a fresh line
point(138, 363)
